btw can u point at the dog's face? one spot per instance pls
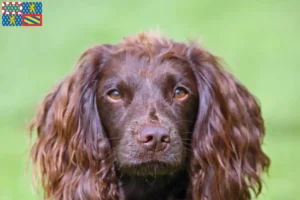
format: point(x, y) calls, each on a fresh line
point(148, 112)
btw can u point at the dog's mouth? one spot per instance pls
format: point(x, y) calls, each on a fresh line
point(141, 162)
point(149, 168)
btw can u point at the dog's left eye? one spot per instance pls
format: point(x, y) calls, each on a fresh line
point(114, 94)
point(180, 93)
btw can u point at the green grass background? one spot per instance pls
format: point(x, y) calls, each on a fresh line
point(259, 40)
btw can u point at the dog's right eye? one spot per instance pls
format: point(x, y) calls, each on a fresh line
point(180, 93)
point(114, 95)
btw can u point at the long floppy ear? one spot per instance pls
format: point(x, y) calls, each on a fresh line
point(227, 159)
point(71, 155)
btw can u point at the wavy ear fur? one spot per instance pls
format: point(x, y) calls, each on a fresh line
point(227, 156)
point(66, 154)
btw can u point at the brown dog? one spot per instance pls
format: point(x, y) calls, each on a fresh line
point(149, 118)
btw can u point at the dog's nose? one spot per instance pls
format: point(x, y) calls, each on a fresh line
point(153, 138)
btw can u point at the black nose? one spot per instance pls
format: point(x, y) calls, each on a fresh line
point(153, 138)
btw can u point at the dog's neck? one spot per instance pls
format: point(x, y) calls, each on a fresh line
point(171, 187)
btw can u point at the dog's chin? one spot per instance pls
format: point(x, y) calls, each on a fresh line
point(150, 168)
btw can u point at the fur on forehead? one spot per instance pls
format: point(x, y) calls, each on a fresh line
point(152, 47)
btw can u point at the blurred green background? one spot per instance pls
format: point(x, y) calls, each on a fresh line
point(259, 40)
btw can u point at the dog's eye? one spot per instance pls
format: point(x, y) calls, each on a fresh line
point(180, 93)
point(114, 94)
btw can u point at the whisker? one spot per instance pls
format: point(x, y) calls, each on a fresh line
point(187, 140)
point(183, 121)
point(187, 132)
point(110, 156)
point(114, 138)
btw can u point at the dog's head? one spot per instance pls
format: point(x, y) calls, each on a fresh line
point(149, 106)
point(147, 99)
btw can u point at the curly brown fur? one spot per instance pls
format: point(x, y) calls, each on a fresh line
point(88, 145)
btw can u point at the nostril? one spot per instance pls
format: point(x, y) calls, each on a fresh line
point(148, 138)
point(165, 139)
point(145, 137)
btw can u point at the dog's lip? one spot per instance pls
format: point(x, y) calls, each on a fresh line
point(150, 167)
point(149, 163)
point(152, 157)
point(152, 162)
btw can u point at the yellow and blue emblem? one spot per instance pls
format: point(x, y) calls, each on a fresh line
point(22, 14)
point(32, 20)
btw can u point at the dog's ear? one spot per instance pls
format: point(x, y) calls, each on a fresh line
point(71, 152)
point(227, 155)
